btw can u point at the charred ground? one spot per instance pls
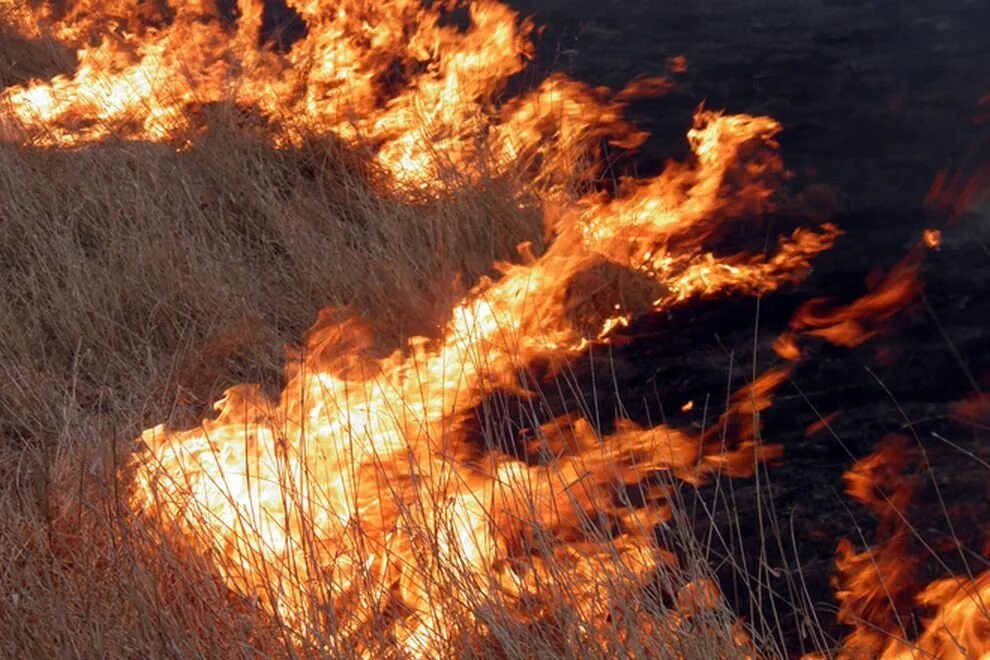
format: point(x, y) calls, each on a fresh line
point(875, 98)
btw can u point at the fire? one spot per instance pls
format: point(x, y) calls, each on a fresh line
point(391, 78)
point(861, 320)
point(879, 588)
point(363, 459)
point(360, 507)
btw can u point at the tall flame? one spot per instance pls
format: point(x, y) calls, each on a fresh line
point(392, 77)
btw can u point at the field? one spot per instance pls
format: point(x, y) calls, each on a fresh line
point(616, 461)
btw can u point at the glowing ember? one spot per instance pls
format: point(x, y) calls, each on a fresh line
point(932, 239)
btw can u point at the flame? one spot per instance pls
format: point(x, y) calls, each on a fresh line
point(853, 324)
point(360, 507)
point(371, 455)
point(392, 77)
point(879, 588)
point(874, 587)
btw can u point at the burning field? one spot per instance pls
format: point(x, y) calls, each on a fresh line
point(509, 432)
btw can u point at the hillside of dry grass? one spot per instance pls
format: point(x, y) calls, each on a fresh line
point(138, 284)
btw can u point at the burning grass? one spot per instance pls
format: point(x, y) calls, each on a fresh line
point(182, 203)
point(193, 289)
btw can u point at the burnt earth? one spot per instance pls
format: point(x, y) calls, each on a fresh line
point(876, 97)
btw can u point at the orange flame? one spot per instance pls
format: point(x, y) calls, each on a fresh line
point(390, 77)
point(878, 588)
point(368, 453)
point(866, 317)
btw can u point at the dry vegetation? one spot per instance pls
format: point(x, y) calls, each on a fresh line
point(139, 283)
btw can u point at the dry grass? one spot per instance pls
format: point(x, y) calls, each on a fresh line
point(134, 267)
point(138, 283)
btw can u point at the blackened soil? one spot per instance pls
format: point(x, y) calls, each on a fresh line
point(875, 97)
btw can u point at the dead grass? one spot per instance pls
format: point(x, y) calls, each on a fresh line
point(147, 271)
point(138, 283)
